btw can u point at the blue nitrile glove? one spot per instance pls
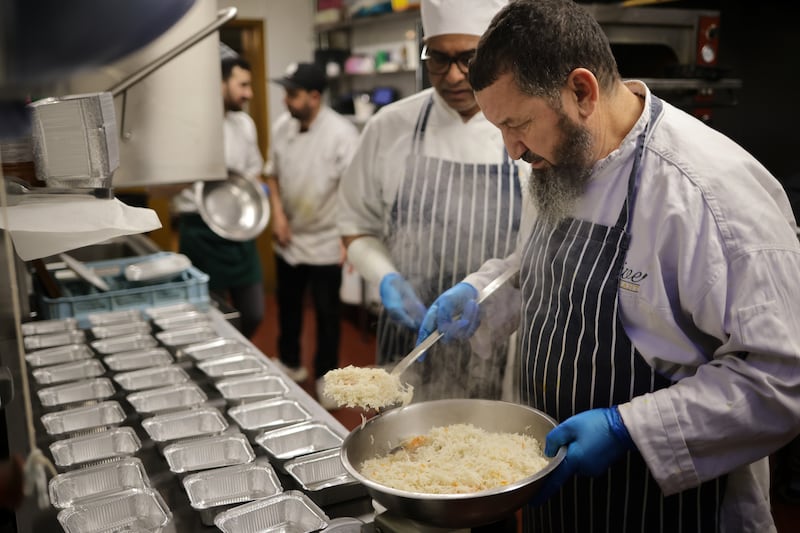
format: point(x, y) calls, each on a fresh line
point(460, 299)
point(400, 301)
point(595, 439)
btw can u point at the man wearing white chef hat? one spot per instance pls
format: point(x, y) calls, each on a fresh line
point(430, 194)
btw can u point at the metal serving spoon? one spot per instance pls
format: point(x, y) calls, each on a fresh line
point(429, 341)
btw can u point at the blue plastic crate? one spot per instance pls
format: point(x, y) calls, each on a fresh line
point(81, 299)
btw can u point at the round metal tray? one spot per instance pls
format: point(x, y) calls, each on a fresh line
point(236, 209)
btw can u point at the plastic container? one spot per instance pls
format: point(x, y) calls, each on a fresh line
point(233, 365)
point(251, 388)
point(39, 327)
point(323, 477)
point(152, 378)
point(129, 510)
point(59, 354)
point(80, 391)
point(81, 299)
point(167, 398)
point(85, 369)
point(208, 452)
point(73, 487)
point(293, 441)
point(115, 442)
point(184, 424)
point(268, 414)
point(288, 511)
point(124, 343)
point(216, 347)
point(138, 359)
point(107, 413)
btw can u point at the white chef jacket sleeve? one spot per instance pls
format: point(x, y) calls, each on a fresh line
point(360, 189)
point(744, 403)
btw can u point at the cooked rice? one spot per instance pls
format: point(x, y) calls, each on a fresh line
point(457, 459)
point(368, 388)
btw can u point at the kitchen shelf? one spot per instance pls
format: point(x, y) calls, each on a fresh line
point(409, 14)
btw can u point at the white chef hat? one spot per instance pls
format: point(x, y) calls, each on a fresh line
point(470, 17)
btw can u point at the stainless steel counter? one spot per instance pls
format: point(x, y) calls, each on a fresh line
point(185, 518)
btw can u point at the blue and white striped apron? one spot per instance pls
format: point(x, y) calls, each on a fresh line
point(448, 218)
point(576, 356)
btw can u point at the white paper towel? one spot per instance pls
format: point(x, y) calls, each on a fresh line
point(42, 228)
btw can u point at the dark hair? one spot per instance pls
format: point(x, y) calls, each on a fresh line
point(540, 42)
point(229, 62)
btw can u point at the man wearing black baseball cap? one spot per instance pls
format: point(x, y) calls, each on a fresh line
point(307, 76)
point(311, 146)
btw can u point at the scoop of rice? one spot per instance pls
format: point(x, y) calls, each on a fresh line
point(367, 388)
point(457, 459)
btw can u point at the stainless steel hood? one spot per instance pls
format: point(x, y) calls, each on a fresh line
point(170, 122)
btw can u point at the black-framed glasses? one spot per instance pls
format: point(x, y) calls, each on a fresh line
point(439, 63)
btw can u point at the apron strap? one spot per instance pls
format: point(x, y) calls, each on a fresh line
point(419, 129)
point(626, 214)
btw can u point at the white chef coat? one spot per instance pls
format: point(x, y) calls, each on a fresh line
point(710, 298)
point(369, 186)
point(241, 155)
point(308, 166)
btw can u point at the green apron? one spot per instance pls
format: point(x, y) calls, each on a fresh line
point(227, 263)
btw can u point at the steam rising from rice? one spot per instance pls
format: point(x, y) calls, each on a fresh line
point(368, 388)
point(457, 459)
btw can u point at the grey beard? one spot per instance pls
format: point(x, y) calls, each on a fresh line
point(556, 189)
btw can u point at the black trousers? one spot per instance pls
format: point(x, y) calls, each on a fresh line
point(324, 282)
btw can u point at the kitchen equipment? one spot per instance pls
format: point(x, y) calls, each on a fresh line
point(85, 369)
point(51, 340)
point(382, 433)
point(249, 388)
point(108, 413)
point(236, 208)
point(72, 487)
point(111, 318)
point(174, 338)
point(79, 391)
point(208, 452)
point(118, 330)
point(114, 442)
point(233, 365)
point(157, 269)
point(323, 478)
point(49, 326)
point(213, 491)
point(124, 343)
point(212, 348)
point(184, 424)
point(138, 359)
point(422, 347)
point(59, 354)
point(288, 442)
point(268, 414)
point(85, 272)
point(151, 378)
point(175, 397)
point(289, 511)
point(127, 510)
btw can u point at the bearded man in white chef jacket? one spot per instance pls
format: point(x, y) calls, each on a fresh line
point(660, 299)
point(431, 194)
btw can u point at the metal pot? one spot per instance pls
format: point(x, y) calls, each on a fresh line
point(387, 430)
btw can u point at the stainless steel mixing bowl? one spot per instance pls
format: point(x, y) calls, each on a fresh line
point(236, 208)
point(387, 430)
